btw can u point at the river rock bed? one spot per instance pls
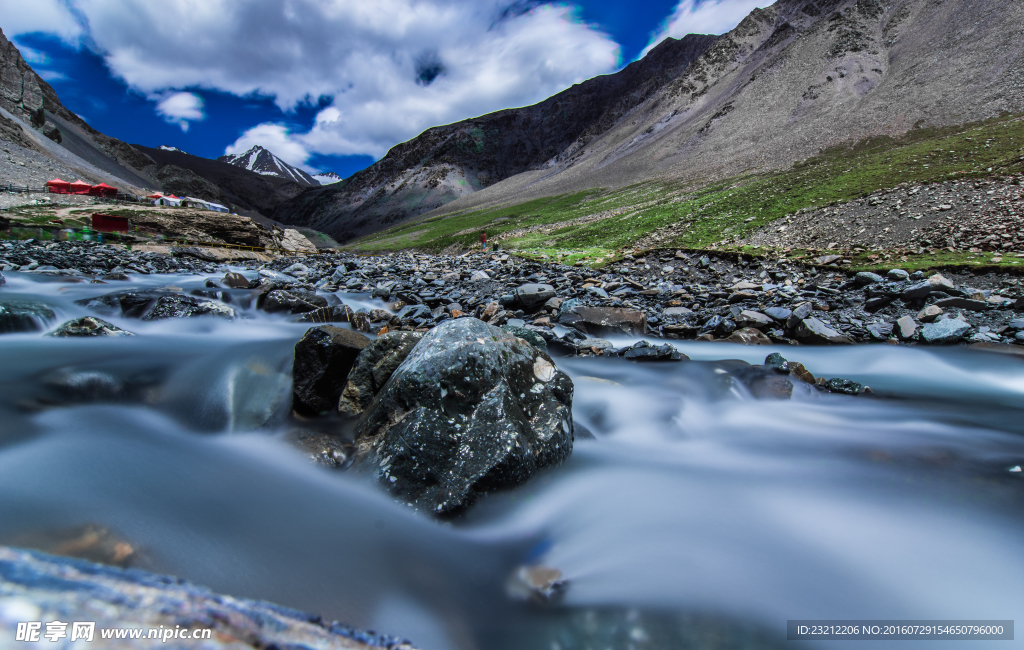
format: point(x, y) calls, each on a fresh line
point(665, 294)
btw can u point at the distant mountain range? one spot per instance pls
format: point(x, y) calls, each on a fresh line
point(788, 81)
point(264, 162)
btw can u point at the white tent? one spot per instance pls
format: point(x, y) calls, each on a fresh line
point(192, 202)
point(166, 200)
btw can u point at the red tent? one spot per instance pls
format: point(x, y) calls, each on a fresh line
point(57, 186)
point(103, 190)
point(80, 187)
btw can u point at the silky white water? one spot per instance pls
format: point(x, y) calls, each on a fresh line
point(695, 507)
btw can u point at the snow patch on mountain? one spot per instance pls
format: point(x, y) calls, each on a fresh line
point(170, 148)
point(327, 178)
point(264, 162)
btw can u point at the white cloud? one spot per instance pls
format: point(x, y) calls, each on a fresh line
point(50, 16)
point(707, 17)
point(392, 67)
point(181, 108)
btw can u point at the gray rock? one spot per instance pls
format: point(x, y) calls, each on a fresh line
point(531, 337)
point(373, 368)
point(748, 336)
point(880, 331)
point(750, 318)
point(531, 295)
point(647, 351)
point(65, 589)
point(864, 278)
point(780, 314)
point(19, 315)
point(479, 276)
point(917, 291)
point(185, 306)
point(844, 386)
point(907, 327)
point(878, 302)
point(815, 331)
point(957, 302)
point(89, 326)
point(929, 313)
point(941, 283)
point(944, 331)
point(597, 291)
point(276, 276)
point(297, 270)
point(323, 358)
point(802, 311)
point(292, 302)
point(897, 275)
point(601, 320)
point(51, 131)
point(471, 409)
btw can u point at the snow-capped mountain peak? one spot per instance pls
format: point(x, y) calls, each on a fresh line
point(263, 161)
point(170, 148)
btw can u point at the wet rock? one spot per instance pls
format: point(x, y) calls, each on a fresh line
point(236, 281)
point(323, 449)
point(748, 336)
point(602, 320)
point(906, 327)
point(530, 336)
point(49, 588)
point(770, 386)
point(471, 409)
point(647, 351)
point(334, 314)
point(801, 312)
point(89, 326)
point(815, 331)
point(799, 371)
point(323, 358)
point(184, 306)
point(373, 368)
point(844, 386)
point(676, 312)
point(157, 304)
point(19, 315)
point(292, 302)
point(777, 362)
point(944, 331)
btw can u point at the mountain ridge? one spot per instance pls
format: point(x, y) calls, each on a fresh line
point(264, 162)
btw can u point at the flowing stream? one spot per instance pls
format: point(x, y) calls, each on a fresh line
point(698, 515)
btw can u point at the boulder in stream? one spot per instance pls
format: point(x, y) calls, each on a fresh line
point(89, 326)
point(323, 359)
point(373, 368)
point(470, 410)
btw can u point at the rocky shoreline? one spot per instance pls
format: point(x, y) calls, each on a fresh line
point(662, 294)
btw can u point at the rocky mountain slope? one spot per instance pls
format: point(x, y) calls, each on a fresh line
point(788, 81)
point(32, 118)
point(235, 185)
point(447, 162)
point(264, 162)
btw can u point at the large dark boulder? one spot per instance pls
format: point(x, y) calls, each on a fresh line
point(323, 358)
point(471, 409)
point(373, 368)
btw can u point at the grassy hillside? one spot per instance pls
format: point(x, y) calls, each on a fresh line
point(598, 224)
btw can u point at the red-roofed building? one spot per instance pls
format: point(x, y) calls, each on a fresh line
point(103, 190)
point(80, 187)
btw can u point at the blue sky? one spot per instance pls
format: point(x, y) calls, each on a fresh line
point(328, 84)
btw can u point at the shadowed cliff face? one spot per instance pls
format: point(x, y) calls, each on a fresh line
point(789, 80)
point(25, 94)
point(446, 162)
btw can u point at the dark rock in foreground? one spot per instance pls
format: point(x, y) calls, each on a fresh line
point(157, 304)
point(471, 409)
point(48, 588)
point(89, 326)
point(323, 358)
